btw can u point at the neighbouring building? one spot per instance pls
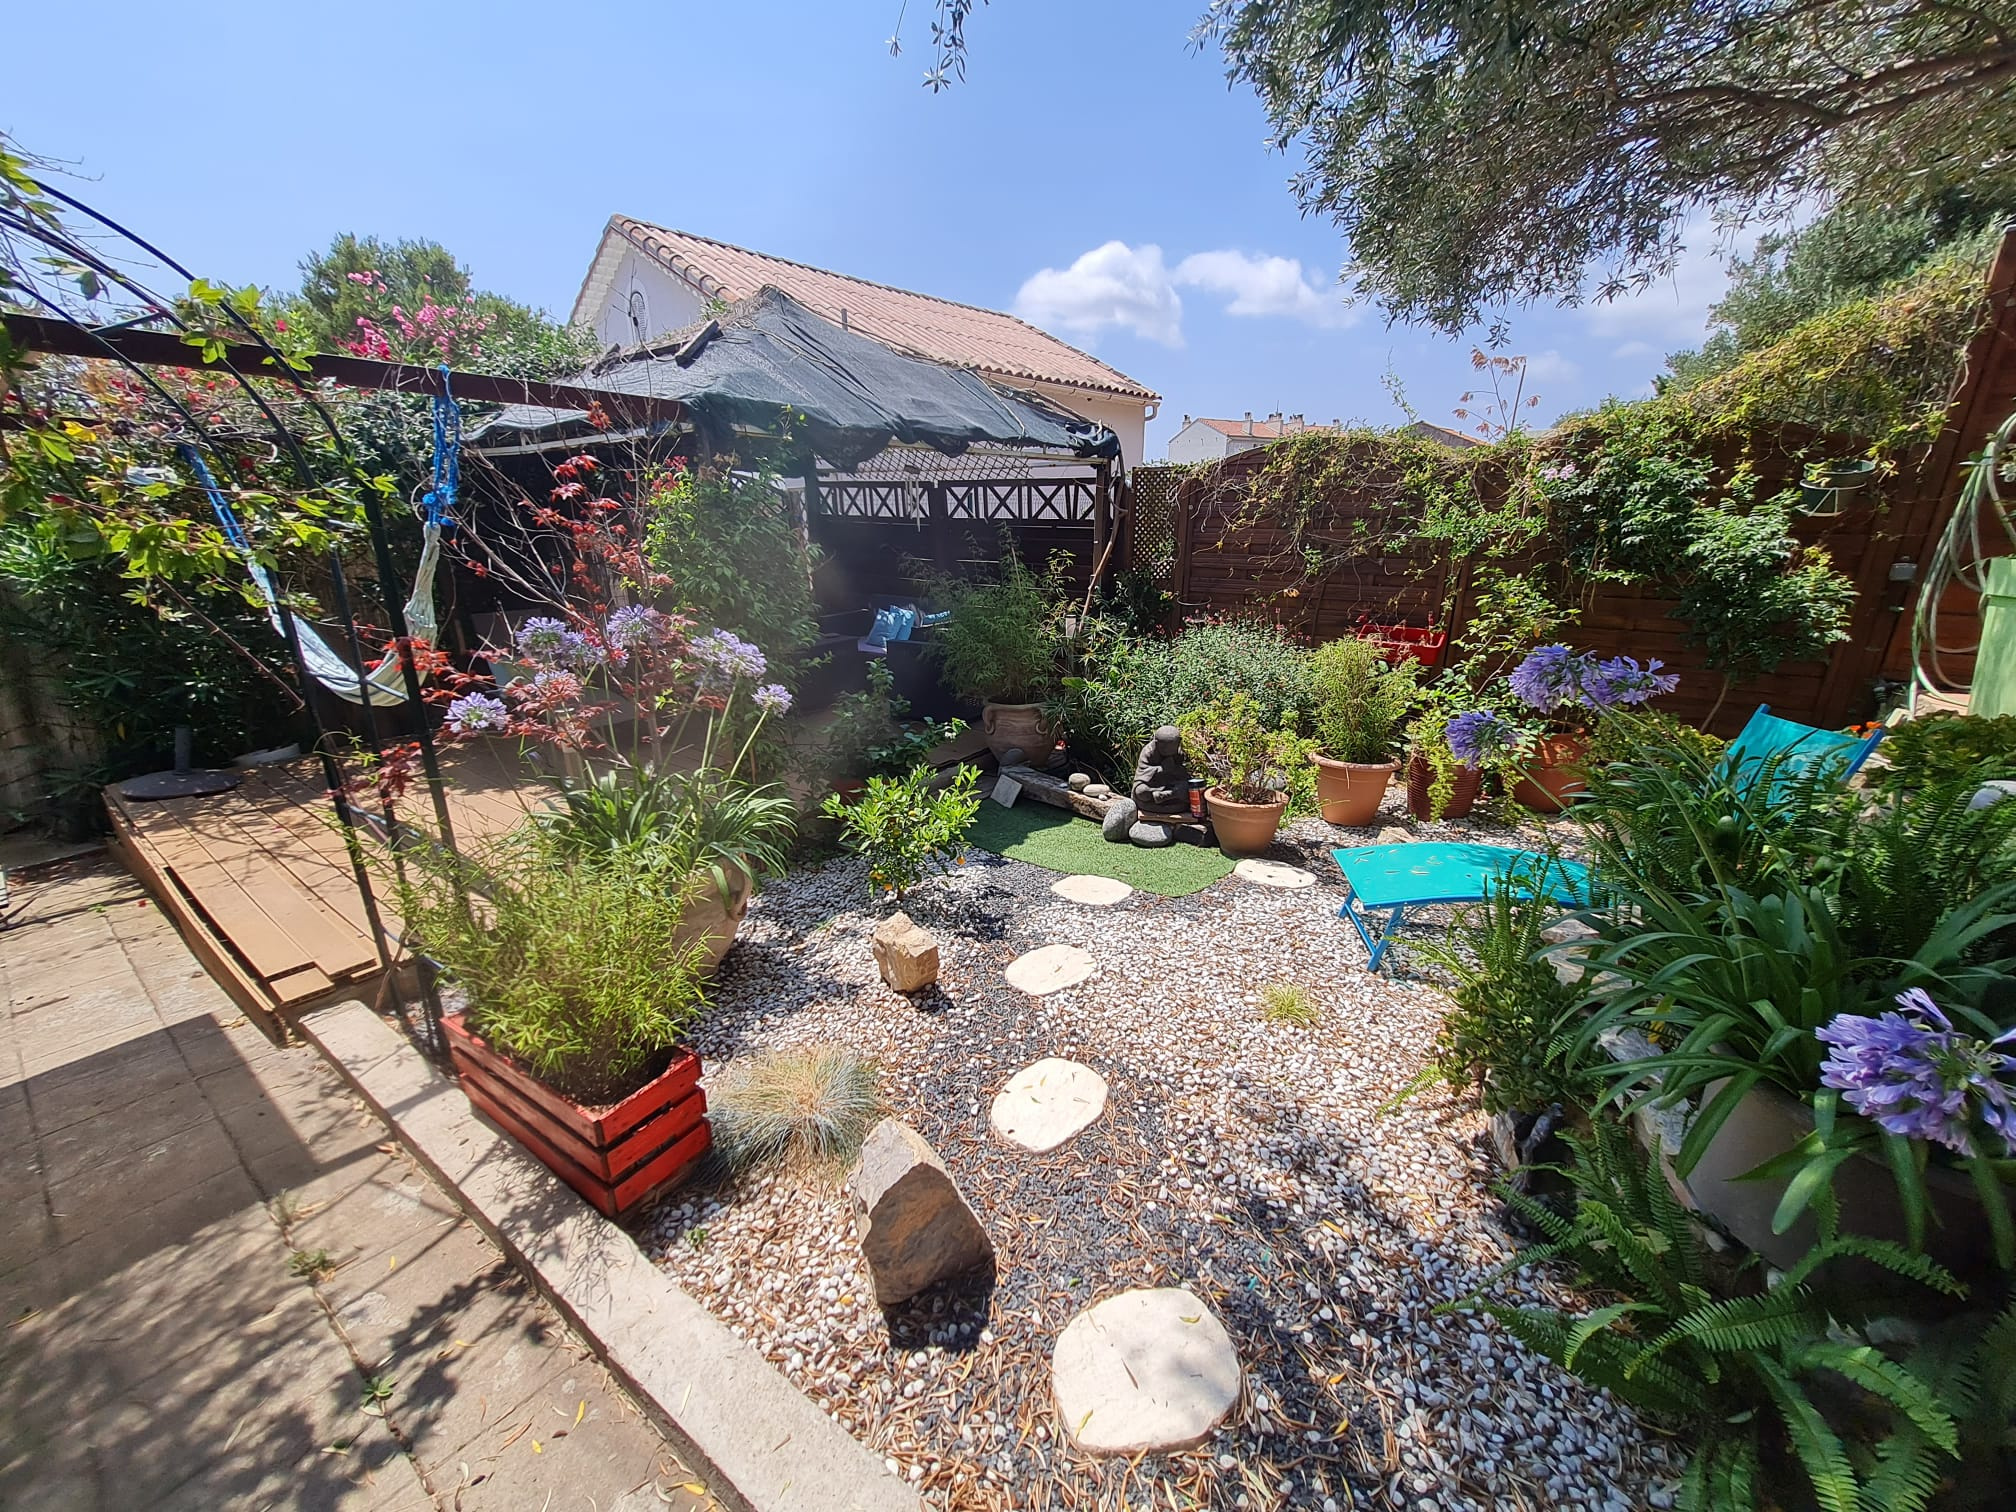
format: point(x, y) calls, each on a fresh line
point(1208, 440)
point(648, 280)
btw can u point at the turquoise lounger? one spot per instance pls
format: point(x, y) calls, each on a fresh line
point(1391, 879)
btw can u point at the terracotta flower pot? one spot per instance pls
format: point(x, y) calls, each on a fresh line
point(1018, 727)
point(1421, 781)
point(616, 1155)
point(712, 924)
point(1554, 776)
point(1349, 792)
point(1243, 829)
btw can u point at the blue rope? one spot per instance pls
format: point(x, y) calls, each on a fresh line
point(440, 499)
point(219, 505)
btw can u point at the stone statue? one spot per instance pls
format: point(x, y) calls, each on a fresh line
point(1161, 780)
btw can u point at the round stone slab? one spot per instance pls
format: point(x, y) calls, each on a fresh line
point(1145, 1372)
point(1044, 1105)
point(1050, 969)
point(1273, 873)
point(1098, 892)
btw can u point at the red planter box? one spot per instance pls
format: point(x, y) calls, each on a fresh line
point(615, 1156)
point(1400, 643)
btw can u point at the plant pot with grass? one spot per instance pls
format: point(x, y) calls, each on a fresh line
point(1005, 647)
point(1567, 693)
point(1251, 771)
point(1361, 702)
point(579, 979)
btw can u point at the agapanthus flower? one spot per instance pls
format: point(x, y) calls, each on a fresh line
point(1914, 1074)
point(727, 656)
point(1621, 681)
point(1478, 734)
point(542, 639)
point(634, 627)
point(1550, 677)
point(579, 653)
point(473, 713)
point(773, 698)
point(553, 683)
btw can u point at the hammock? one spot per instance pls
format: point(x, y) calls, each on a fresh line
point(384, 684)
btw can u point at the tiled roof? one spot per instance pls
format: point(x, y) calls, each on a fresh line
point(921, 324)
point(1263, 430)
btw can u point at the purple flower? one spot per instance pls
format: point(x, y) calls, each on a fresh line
point(541, 639)
point(634, 627)
point(553, 682)
point(1913, 1074)
point(473, 713)
point(1558, 474)
point(773, 698)
point(727, 656)
point(1479, 734)
point(1550, 677)
point(1621, 681)
point(578, 653)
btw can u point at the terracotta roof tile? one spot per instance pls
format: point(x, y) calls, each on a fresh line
point(921, 324)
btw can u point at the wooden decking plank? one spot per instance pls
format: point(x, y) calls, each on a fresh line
point(305, 905)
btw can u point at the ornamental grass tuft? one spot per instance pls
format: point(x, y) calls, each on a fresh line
point(808, 1105)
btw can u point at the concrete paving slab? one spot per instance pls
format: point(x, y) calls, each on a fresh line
point(145, 1190)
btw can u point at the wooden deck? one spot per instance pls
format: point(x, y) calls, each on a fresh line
point(259, 883)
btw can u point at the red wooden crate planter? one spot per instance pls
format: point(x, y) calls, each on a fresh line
point(1400, 643)
point(614, 1156)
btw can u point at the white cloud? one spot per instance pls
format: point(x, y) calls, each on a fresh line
point(1551, 367)
point(1113, 285)
point(1632, 349)
point(1671, 311)
point(1265, 286)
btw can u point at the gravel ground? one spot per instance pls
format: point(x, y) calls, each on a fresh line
point(1247, 1160)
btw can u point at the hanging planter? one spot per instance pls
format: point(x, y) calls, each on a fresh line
point(1821, 493)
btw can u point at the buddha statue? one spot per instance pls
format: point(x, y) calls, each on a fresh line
point(1161, 780)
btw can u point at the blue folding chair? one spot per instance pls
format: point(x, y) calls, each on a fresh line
point(1797, 748)
point(1392, 879)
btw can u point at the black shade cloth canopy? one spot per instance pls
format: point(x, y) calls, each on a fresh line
point(772, 366)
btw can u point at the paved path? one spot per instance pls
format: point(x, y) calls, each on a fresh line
point(222, 1287)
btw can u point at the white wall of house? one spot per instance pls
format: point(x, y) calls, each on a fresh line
point(1198, 442)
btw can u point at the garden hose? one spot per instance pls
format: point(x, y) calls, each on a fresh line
point(1962, 557)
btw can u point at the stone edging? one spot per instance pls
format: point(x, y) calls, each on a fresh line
point(766, 1446)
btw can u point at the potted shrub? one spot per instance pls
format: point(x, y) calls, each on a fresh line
point(578, 985)
point(1250, 770)
point(869, 735)
point(1004, 648)
point(1360, 703)
point(910, 827)
point(1568, 693)
point(1451, 745)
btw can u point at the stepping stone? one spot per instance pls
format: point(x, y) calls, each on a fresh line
point(1098, 892)
point(1273, 873)
point(1145, 1372)
point(1050, 969)
point(1046, 1104)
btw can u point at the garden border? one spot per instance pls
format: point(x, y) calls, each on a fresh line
point(764, 1444)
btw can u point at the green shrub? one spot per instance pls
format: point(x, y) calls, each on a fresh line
point(907, 828)
point(1005, 640)
point(574, 965)
point(868, 736)
point(1508, 1019)
point(680, 823)
point(811, 1105)
point(1210, 662)
point(1359, 701)
point(732, 546)
point(1946, 747)
point(1227, 742)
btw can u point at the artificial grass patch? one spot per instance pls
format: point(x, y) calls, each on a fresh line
point(1062, 842)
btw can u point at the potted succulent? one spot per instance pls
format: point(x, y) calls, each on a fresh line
point(1568, 692)
point(576, 986)
point(1360, 703)
point(1250, 770)
point(1004, 647)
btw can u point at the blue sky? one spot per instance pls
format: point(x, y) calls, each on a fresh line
point(1095, 172)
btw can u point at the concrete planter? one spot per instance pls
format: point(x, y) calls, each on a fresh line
point(1018, 727)
point(614, 1156)
point(711, 924)
point(1349, 792)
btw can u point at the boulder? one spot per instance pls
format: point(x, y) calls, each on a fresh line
point(1098, 790)
point(1079, 781)
point(1150, 835)
point(916, 1228)
point(906, 953)
point(1120, 815)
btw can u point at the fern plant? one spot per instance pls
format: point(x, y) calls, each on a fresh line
point(1752, 1376)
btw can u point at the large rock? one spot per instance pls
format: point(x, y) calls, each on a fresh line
point(1153, 836)
point(1120, 816)
point(906, 953)
point(916, 1229)
point(1145, 1372)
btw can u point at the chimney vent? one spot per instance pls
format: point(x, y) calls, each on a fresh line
point(1249, 422)
point(1275, 418)
point(1186, 419)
